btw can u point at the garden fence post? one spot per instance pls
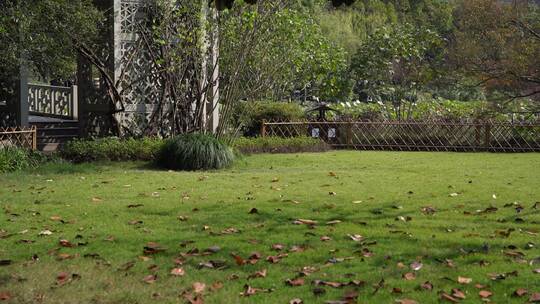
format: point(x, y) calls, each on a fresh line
point(34, 138)
point(487, 142)
point(349, 134)
point(263, 128)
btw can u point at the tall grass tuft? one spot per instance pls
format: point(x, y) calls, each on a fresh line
point(14, 159)
point(194, 151)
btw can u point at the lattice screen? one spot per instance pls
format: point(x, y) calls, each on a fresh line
point(141, 87)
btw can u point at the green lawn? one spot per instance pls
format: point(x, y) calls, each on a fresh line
point(110, 212)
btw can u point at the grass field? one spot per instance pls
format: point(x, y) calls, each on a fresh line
point(417, 219)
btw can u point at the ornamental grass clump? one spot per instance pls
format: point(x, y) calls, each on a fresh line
point(194, 151)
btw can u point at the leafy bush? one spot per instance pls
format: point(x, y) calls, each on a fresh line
point(14, 159)
point(194, 152)
point(251, 114)
point(111, 149)
point(280, 145)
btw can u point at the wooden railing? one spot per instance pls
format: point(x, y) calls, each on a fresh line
point(53, 101)
point(415, 135)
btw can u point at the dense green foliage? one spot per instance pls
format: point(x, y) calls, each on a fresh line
point(14, 159)
point(283, 49)
point(250, 145)
point(194, 151)
point(250, 115)
point(111, 149)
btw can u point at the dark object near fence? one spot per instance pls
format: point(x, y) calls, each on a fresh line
point(416, 135)
point(21, 137)
point(328, 132)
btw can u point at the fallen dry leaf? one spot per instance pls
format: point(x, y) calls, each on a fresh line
point(416, 266)
point(356, 237)
point(296, 301)
point(427, 286)
point(178, 272)
point(295, 282)
point(150, 279)
point(249, 291)
point(447, 297)
point(305, 222)
point(258, 274)
point(409, 276)
point(535, 297)
point(198, 287)
point(464, 280)
point(485, 294)
point(520, 292)
point(457, 293)
point(5, 296)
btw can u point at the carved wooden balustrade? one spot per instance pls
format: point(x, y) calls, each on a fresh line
point(53, 101)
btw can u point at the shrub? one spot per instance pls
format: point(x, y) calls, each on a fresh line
point(14, 159)
point(251, 114)
point(111, 149)
point(280, 145)
point(194, 151)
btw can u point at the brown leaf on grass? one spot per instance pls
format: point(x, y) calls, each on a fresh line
point(249, 291)
point(406, 301)
point(150, 279)
point(520, 292)
point(258, 274)
point(537, 271)
point(327, 283)
point(239, 260)
point(485, 294)
point(428, 210)
point(230, 230)
point(325, 238)
point(416, 266)
point(56, 218)
point(97, 200)
point(397, 290)
point(535, 297)
point(253, 211)
point(296, 301)
point(153, 248)
point(278, 247)
point(464, 280)
point(356, 237)
point(305, 222)
point(178, 272)
point(307, 270)
point(334, 222)
point(216, 286)
point(295, 282)
point(276, 258)
point(5, 296)
point(192, 299)
point(63, 278)
point(198, 287)
point(65, 243)
point(457, 293)
point(127, 266)
point(296, 248)
point(427, 286)
point(409, 276)
point(65, 256)
point(446, 297)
